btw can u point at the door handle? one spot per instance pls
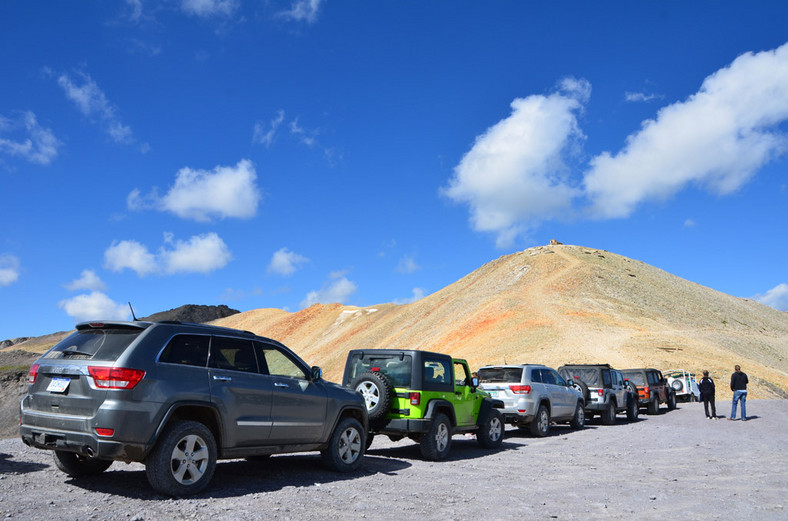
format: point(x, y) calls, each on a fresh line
point(280, 384)
point(223, 378)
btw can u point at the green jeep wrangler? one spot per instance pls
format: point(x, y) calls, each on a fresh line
point(427, 397)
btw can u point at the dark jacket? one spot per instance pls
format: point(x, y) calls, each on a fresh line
point(706, 387)
point(739, 381)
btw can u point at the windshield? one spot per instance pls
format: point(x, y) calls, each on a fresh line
point(104, 344)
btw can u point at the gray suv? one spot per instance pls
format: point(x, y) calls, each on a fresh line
point(533, 395)
point(604, 389)
point(178, 397)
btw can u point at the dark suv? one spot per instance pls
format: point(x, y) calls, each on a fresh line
point(653, 388)
point(605, 391)
point(425, 396)
point(177, 397)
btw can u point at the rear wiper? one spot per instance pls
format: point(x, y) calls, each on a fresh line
point(73, 351)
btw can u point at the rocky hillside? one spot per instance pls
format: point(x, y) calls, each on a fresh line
point(554, 305)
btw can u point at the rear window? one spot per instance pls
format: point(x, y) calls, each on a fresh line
point(104, 344)
point(636, 378)
point(589, 376)
point(492, 375)
point(397, 368)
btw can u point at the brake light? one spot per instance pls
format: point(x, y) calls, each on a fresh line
point(600, 392)
point(115, 377)
point(101, 431)
point(32, 374)
point(375, 369)
point(415, 398)
point(520, 389)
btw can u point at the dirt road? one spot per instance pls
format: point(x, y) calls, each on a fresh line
point(676, 466)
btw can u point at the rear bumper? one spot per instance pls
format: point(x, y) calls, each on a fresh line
point(81, 443)
point(403, 426)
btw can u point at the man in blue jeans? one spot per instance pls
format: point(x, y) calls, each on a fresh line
point(739, 383)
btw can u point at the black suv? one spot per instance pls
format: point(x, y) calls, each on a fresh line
point(177, 397)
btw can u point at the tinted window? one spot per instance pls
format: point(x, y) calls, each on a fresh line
point(589, 376)
point(278, 363)
point(606, 378)
point(652, 377)
point(395, 367)
point(234, 354)
point(636, 378)
point(536, 376)
point(186, 350)
point(500, 374)
point(105, 344)
point(558, 380)
point(547, 377)
point(437, 375)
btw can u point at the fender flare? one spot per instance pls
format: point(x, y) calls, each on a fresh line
point(434, 405)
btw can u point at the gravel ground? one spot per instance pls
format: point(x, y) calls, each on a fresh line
point(676, 465)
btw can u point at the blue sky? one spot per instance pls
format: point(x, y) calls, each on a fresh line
point(281, 153)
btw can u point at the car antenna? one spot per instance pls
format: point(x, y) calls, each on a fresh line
point(132, 313)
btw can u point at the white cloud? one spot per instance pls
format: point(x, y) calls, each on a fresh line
point(339, 290)
point(209, 8)
point(303, 11)
point(93, 103)
point(94, 306)
point(132, 255)
point(515, 175)
point(225, 192)
point(36, 145)
point(407, 265)
point(641, 96)
point(285, 262)
point(200, 254)
point(88, 280)
point(263, 137)
point(718, 138)
point(690, 223)
point(418, 294)
point(9, 269)
point(777, 297)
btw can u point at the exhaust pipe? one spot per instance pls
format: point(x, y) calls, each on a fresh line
point(88, 451)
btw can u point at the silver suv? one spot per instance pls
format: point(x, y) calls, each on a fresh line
point(177, 397)
point(533, 395)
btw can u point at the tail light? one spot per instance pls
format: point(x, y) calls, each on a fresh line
point(103, 431)
point(415, 398)
point(600, 392)
point(520, 389)
point(115, 377)
point(32, 374)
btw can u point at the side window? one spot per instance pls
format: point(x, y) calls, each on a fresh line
point(234, 354)
point(437, 376)
point(606, 381)
point(278, 364)
point(547, 377)
point(186, 350)
point(461, 377)
point(652, 378)
point(619, 379)
point(536, 376)
point(558, 379)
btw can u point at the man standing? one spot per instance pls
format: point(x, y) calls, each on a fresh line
point(706, 387)
point(739, 383)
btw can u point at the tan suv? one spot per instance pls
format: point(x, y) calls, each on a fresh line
point(653, 388)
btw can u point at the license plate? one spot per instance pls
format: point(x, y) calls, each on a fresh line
point(58, 385)
point(493, 394)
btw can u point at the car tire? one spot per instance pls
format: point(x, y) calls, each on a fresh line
point(346, 447)
point(540, 427)
point(579, 418)
point(377, 392)
point(490, 433)
point(78, 466)
point(633, 409)
point(436, 442)
point(671, 401)
point(183, 460)
point(653, 405)
point(581, 387)
point(609, 414)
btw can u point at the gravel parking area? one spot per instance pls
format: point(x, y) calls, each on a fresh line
point(676, 465)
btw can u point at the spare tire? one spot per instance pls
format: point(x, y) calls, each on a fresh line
point(581, 387)
point(677, 385)
point(377, 392)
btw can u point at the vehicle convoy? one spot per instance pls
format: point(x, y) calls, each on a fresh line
point(652, 388)
point(424, 396)
point(684, 384)
point(534, 396)
point(604, 389)
point(178, 397)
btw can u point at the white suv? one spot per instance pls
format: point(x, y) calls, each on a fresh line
point(533, 395)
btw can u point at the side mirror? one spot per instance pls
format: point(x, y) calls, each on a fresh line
point(475, 381)
point(317, 373)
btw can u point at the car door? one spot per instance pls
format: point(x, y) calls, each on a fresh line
point(465, 395)
point(562, 398)
point(619, 389)
point(298, 406)
point(242, 395)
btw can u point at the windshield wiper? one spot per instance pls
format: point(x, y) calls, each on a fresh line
point(73, 351)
